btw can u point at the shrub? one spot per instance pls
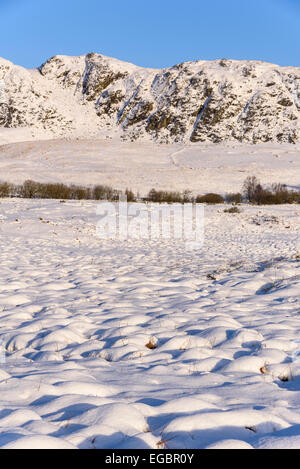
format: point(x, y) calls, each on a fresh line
point(153, 196)
point(187, 197)
point(281, 194)
point(172, 197)
point(54, 191)
point(130, 196)
point(234, 198)
point(210, 198)
point(32, 189)
point(232, 210)
point(251, 188)
point(164, 196)
point(29, 189)
point(5, 189)
point(114, 196)
point(277, 194)
point(80, 193)
point(102, 193)
point(295, 197)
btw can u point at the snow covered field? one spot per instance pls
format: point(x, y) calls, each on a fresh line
point(142, 344)
point(140, 166)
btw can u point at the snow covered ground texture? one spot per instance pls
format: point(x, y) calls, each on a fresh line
point(141, 166)
point(142, 344)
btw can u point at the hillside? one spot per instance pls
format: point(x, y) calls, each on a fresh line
point(97, 96)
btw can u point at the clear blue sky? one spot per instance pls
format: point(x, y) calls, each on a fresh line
point(153, 33)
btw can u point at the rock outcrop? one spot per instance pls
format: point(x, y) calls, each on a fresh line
point(222, 100)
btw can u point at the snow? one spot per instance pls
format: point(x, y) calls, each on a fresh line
point(78, 312)
point(200, 167)
point(96, 96)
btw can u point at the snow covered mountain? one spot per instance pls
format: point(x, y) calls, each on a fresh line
point(93, 95)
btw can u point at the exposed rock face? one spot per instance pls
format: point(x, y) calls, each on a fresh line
point(200, 101)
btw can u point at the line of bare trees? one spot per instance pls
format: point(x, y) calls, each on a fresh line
point(36, 190)
point(252, 192)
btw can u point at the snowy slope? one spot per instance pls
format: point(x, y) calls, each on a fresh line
point(198, 167)
point(201, 101)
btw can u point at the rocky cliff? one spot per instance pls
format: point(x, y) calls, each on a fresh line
point(201, 101)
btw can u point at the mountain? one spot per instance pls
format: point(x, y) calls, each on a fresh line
point(203, 101)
